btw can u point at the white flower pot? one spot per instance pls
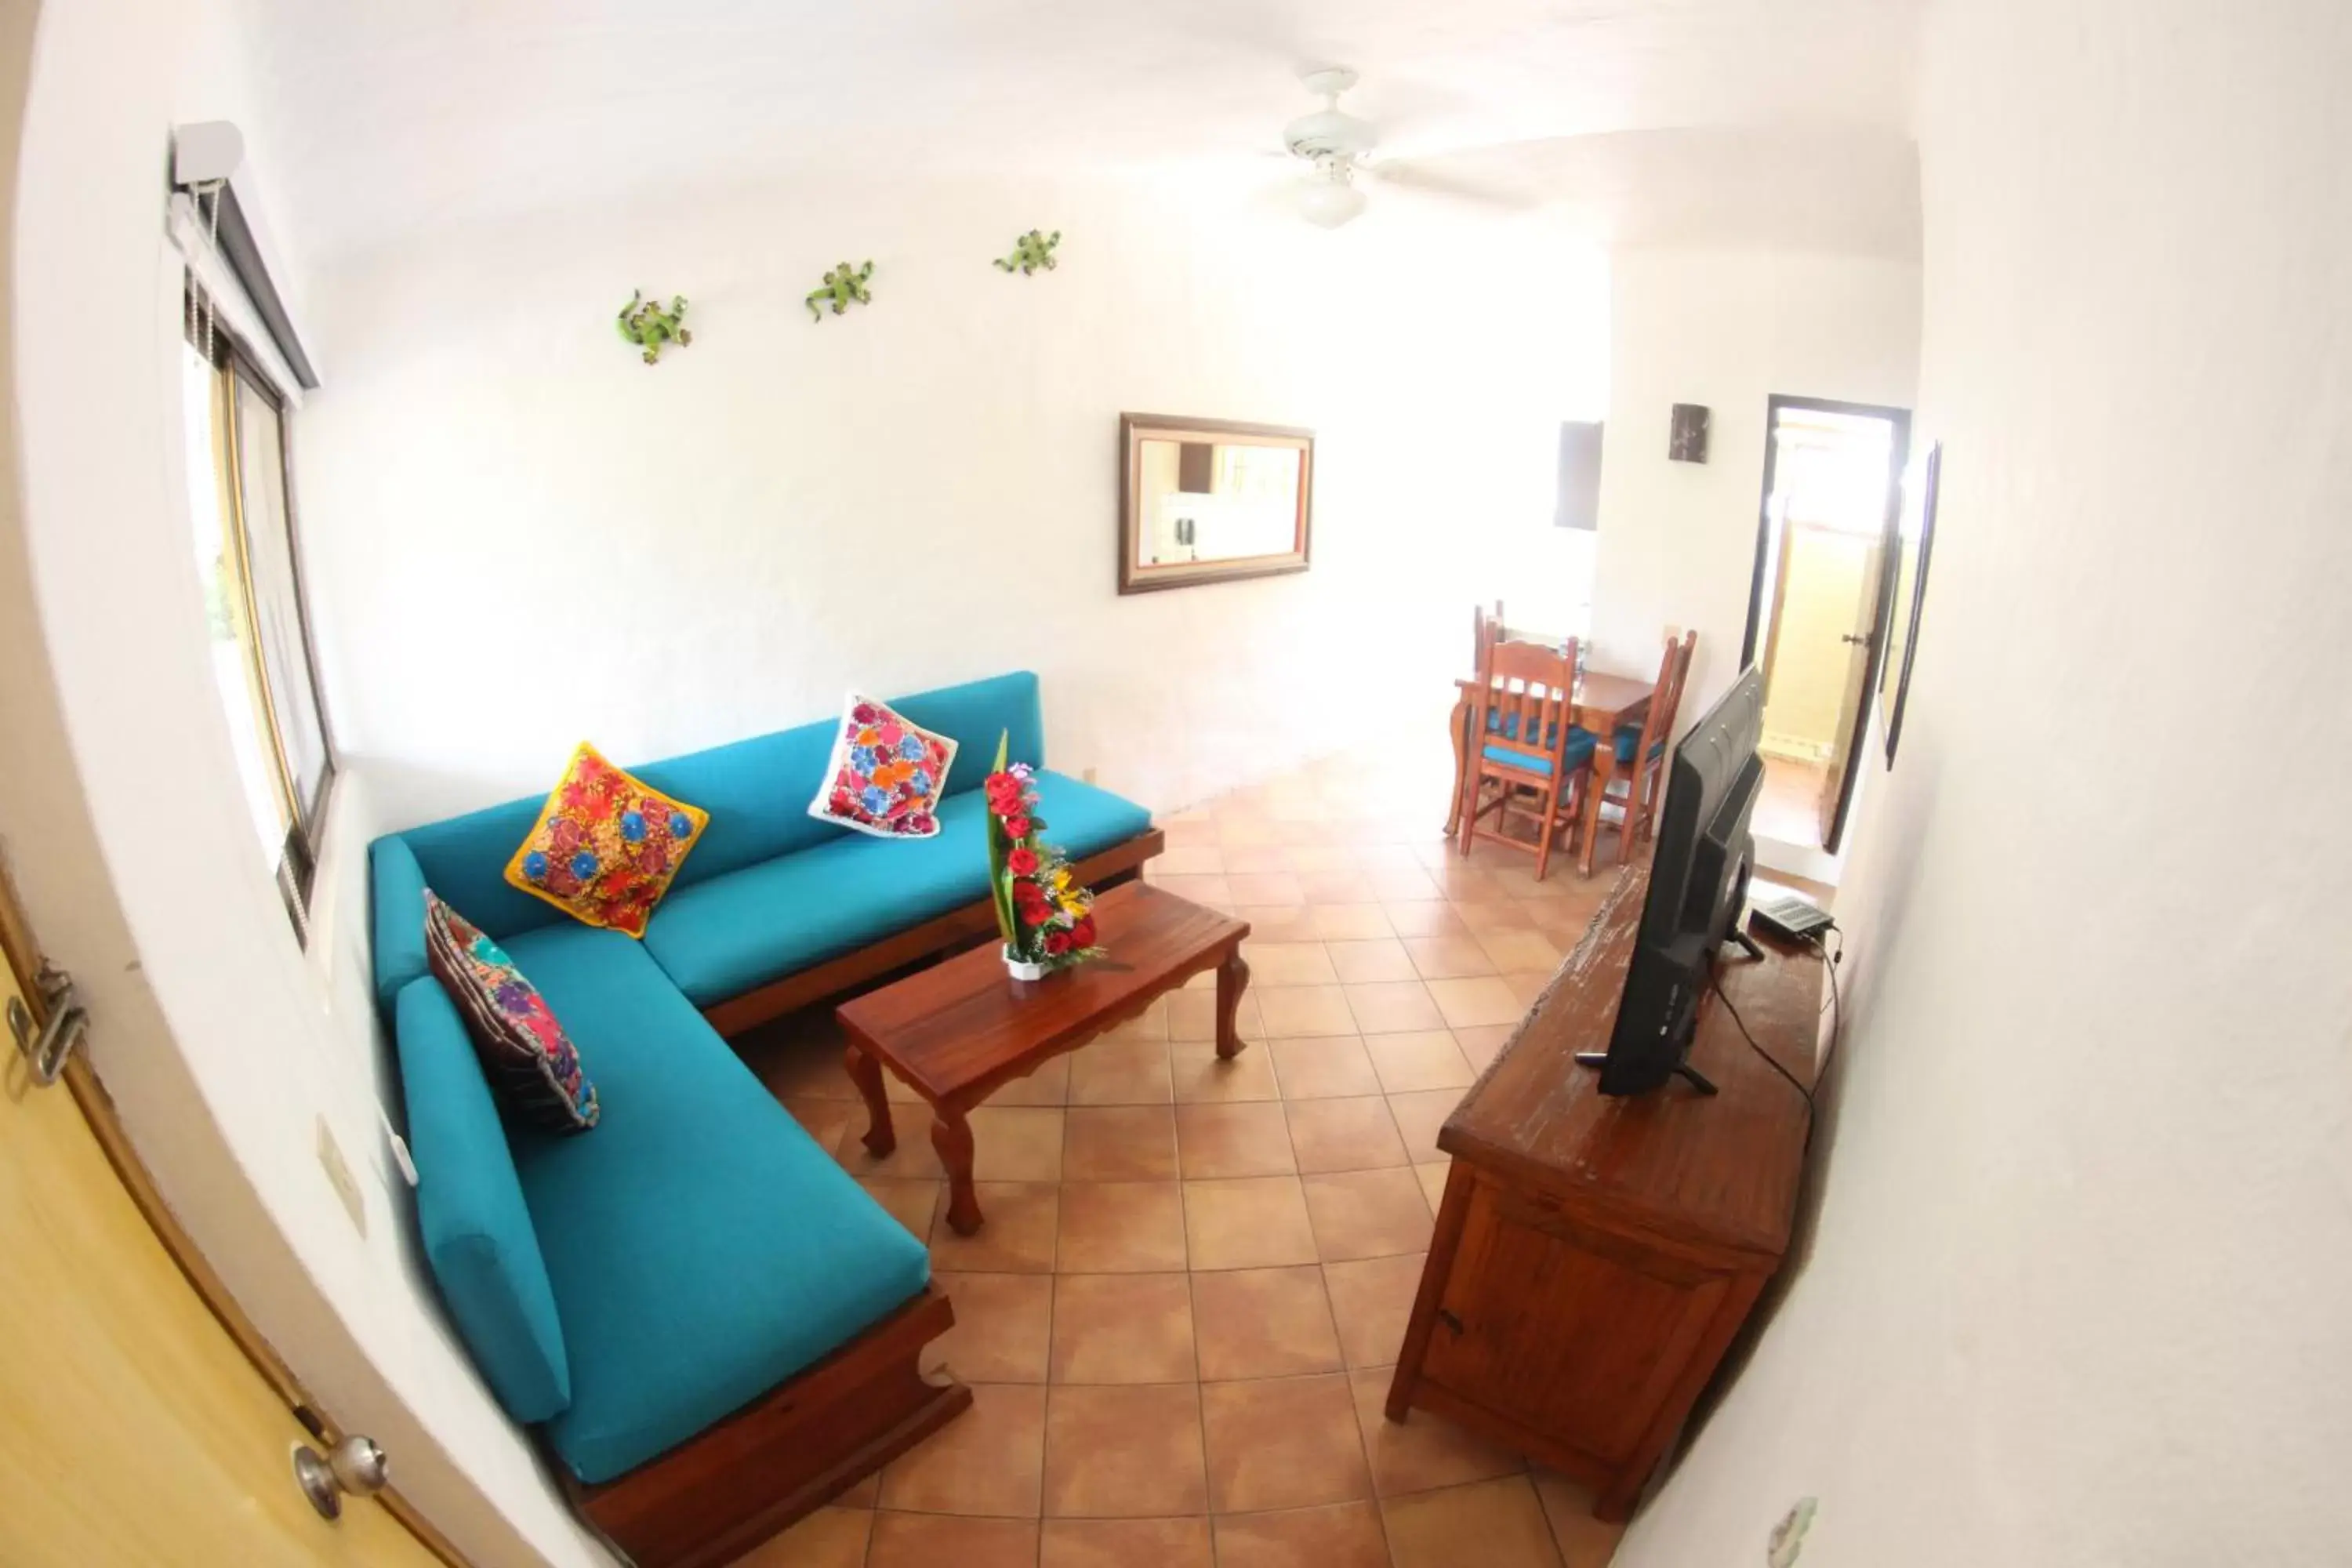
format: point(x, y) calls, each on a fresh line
point(1021, 968)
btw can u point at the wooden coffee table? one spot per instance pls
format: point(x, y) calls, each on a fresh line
point(957, 1032)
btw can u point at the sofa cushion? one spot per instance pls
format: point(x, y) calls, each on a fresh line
point(724, 937)
point(606, 846)
point(463, 860)
point(885, 775)
point(529, 1060)
point(755, 791)
point(702, 1247)
point(396, 920)
point(471, 1213)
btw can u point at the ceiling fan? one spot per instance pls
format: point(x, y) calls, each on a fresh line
point(1338, 145)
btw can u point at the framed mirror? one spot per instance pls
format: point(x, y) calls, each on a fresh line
point(1209, 501)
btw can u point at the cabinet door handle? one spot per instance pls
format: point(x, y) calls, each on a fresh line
point(1449, 1320)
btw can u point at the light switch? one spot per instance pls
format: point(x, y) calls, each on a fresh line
point(339, 1176)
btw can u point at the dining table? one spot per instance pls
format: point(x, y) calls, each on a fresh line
point(1601, 702)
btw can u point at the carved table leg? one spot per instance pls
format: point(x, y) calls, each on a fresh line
point(1461, 728)
point(1596, 787)
point(867, 1074)
point(1233, 978)
point(952, 1136)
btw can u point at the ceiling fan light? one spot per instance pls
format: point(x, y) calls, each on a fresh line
point(1330, 133)
point(1327, 204)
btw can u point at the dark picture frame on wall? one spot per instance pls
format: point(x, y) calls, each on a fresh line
point(1916, 547)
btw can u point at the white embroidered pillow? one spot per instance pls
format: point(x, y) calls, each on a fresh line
point(887, 774)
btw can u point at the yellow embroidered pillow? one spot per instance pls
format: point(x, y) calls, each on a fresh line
point(606, 846)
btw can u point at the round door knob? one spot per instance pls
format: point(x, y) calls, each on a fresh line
point(355, 1466)
point(358, 1465)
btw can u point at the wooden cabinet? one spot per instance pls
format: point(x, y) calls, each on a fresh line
point(1593, 1258)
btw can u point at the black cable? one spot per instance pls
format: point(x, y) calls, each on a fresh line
point(1761, 1051)
point(1821, 946)
point(1837, 1016)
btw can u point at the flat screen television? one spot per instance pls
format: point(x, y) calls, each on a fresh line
point(1699, 882)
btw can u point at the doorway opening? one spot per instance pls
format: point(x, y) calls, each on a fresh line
point(1818, 609)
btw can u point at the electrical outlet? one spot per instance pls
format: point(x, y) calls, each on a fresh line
point(339, 1176)
point(1788, 1537)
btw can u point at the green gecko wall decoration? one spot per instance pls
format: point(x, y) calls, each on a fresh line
point(645, 323)
point(842, 286)
point(1030, 252)
point(1788, 1537)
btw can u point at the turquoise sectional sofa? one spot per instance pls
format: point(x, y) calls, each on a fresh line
point(626, 1288)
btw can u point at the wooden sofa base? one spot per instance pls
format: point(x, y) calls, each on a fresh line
point(948, 934)
point(715, 1497)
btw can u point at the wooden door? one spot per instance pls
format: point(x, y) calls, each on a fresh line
point(1866, 643)
point(136, 1429)
point(1863, 645)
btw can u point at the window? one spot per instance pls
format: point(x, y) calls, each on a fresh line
point(241, 508)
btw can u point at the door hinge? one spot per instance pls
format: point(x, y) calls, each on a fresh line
point(47, 1047)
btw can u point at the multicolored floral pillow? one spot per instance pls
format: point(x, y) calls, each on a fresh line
point(887, 774)
point(525, 1054)
point(606, 846)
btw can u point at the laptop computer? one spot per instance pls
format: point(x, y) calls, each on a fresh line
point(1785, 915)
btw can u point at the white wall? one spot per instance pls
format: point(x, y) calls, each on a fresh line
point(520, 535)
point(1724, 329)
point(221, 1042)
point(2076, 1294)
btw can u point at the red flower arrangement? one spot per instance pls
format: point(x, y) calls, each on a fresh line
point(1045, 918)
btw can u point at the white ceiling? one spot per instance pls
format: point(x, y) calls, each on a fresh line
point(1850, 191)
point(422, 111)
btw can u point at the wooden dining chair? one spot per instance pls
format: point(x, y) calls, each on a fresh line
point(1522, 708)
point(1642, 750)
point(1488, 628)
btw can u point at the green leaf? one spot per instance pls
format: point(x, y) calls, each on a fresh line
point(999, 883)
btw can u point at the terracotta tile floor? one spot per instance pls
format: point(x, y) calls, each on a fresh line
point(1179, 1320)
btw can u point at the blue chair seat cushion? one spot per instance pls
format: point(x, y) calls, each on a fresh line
point(1626, 742)
point(702, 1248)
point(1578, 752)
point(735, 933)
point(1629, 744)
point(1508, 725)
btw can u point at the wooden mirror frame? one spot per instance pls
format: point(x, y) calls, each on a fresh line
point(1136, 428)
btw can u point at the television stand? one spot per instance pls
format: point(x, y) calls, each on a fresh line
point(1683, 1071)
point(1594, 1258)
point(1694, 1078)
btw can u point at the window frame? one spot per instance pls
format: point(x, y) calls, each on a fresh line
point(232, 364)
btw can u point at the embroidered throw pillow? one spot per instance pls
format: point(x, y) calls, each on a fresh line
point(606, 846)
point(887, 774)
point(525, 1054)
